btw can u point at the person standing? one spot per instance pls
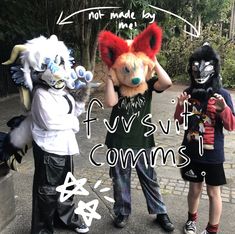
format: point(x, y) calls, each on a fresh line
point(211, 109)
point(128, 91)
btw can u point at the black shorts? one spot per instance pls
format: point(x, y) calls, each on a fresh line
point(196, 172)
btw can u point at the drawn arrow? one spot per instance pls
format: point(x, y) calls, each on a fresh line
point(197, 34)
point(63, 21)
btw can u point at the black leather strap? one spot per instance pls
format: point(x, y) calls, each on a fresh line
point(70, 104)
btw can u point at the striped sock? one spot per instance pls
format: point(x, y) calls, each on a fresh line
point(192, 217)
point(212, 229)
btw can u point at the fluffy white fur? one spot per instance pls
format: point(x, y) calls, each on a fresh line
point(22, 136)
point(37, 50)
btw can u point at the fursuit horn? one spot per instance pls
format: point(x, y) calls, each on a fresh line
point(14, 54)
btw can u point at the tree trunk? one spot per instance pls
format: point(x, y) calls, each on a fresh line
point(86, 32)
point(85, 59)
point(85, 45)
point(199, 24)
point(221, 29)
point(232, 22)
point(93, 49)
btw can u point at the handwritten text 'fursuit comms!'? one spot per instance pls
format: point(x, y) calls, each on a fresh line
point(113, 154)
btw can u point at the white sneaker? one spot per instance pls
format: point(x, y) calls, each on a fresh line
point(190, 227)
point(82, 228)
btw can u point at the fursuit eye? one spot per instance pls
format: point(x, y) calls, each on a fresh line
point(209, 68)
point(207, 63)
point(126, 70)
point(134, 67)
point(57, 60)
point(61, 61)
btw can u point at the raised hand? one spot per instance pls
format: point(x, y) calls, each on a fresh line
point(220, 103)
point(182, 97)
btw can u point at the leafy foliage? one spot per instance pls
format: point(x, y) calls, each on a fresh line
point(178, 50)
point(17, 20)
point(24, 19)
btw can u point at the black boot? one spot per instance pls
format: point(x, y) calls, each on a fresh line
point(164, 221)
point(120, 220)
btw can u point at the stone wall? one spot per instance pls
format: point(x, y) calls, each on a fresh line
point(7, 198)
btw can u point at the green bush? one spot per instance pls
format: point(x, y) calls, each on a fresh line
point(228, 73)
point(228, 66)
point(177, 50)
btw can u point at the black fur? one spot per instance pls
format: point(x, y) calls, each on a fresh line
point(207, 53)
point(15, 121)
point(7, 149)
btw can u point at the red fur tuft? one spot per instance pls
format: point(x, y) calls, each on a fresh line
point(149, 41)
point(111, 47)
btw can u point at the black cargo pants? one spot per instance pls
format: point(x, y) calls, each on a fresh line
point(48, 211)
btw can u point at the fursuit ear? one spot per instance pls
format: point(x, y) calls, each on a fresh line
point(111, 47)
point(149, 41)
point(113, 76)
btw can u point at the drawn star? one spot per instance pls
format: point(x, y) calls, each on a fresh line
point(88, 211)
point(77, 190)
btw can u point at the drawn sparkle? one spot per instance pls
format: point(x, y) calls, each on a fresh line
point(103, 190)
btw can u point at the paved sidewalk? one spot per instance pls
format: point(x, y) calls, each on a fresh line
point(173, 188)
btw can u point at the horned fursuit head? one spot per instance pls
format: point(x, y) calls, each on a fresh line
point(41, 62)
